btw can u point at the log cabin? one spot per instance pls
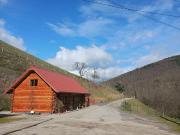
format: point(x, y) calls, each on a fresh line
point(41, 90)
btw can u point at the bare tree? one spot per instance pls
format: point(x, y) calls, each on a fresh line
point(84, 70)
point(2, 49)
point(81, 67)
point(95, 74)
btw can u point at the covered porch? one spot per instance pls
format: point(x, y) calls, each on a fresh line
point(72, 101)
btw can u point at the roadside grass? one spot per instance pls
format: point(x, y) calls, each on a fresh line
point(171, 122)
point(137, 107)
point(9, 119)
point(100, 92)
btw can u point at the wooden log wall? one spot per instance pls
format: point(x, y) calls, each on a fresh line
point(38, 98)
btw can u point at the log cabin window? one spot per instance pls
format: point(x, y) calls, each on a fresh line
point(33, 82)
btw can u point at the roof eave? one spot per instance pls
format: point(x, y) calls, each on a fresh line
point(60, 91)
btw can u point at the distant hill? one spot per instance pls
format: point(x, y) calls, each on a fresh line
point(157, 85)
point(13, 62)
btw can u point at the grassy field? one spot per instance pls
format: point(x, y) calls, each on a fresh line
point(137, 107)
point(172, 125)
point(9, 119)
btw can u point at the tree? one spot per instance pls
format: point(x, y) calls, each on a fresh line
point(81, 67)
point(2, 49)
point(119, 87)
point(95, 74)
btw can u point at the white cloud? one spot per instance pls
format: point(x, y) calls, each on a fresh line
point(143, 35)
point(2, 22)
point(94, 27)
point(7, 37)
point(133, 40)
point(94, 9)
point(132, 35)
point(93, 56)
point(110, 72)
point(12, 40)
point(147, 59)
point(152, 57)
point(158, 52)
point(62, 29)
point(166, 5)
point(104, 73)
point(88, 28)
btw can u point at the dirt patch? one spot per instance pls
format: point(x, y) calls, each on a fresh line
point(97, 120)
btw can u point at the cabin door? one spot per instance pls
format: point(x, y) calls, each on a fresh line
point(31, 105)
point(34, 102)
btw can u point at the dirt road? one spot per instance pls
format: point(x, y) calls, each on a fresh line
point(96, 120)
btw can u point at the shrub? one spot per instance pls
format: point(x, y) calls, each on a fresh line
point(5, 102)
point(59, 106)
point(126, 106)
point(177, 61)
point(119, 87)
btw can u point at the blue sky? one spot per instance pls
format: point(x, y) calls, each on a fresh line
point(112, 40)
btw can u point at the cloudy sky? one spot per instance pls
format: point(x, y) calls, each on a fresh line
point(112, 40)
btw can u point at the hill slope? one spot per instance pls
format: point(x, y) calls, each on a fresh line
point(13, 62)
point(157, 85)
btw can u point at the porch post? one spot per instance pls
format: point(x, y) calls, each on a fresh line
point(87, 100)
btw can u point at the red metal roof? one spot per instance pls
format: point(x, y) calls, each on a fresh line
point(58, 82)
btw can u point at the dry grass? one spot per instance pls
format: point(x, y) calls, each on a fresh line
point(175, 127)
point(137, 107)
point(100, 92)
point(9, 119)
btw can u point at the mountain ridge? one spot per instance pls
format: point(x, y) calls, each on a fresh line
point(156, 84)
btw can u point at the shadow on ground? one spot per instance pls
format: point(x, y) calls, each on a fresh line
point(7, 115)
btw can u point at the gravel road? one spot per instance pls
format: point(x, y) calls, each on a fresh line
point(94, 120)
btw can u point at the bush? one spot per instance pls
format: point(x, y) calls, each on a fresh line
point(126, 106)
point(59, 106)
point(5, 102)
point(177, 61)
point(119, 87)
point(136, 106)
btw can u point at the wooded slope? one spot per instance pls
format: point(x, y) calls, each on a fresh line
point(157, 85)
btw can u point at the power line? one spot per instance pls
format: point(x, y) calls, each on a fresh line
point(153, 19)
point(149, 12)
point(156, 20)
point(132, 9)
point(136, 11)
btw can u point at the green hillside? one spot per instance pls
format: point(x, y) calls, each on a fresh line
point(13, 62)
point(156, 85)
